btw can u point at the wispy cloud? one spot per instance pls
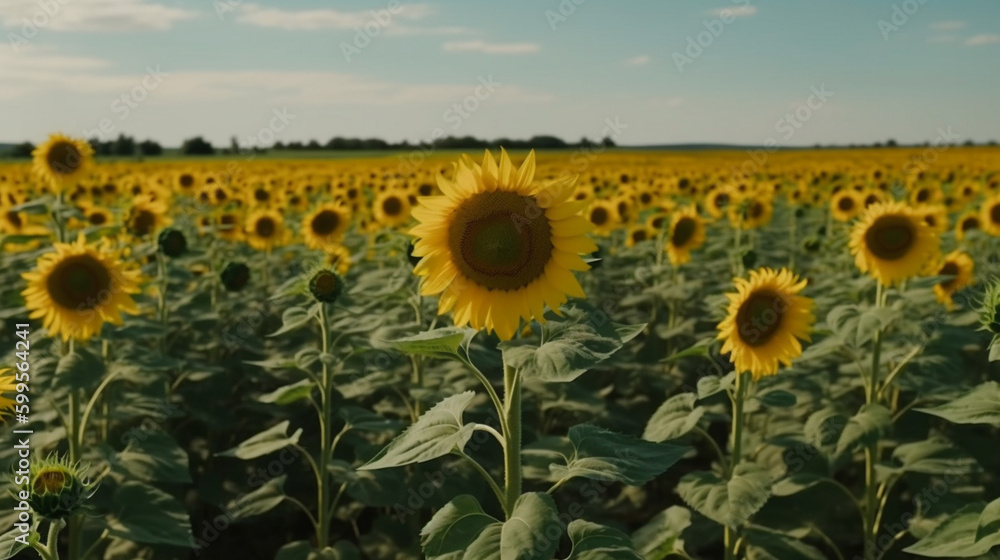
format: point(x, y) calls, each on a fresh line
point(982, 39)
point(640, 60)
point(311, 20)
point(942, 39)
point(94, 15)
point(953, 25)
point(492, 48)
point(735, 11)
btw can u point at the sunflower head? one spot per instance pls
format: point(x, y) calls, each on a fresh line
point(265, 229)
point(766, 320)
point(8, 385)
point(687, 232)
point(325, 225)
point(958, 266)
point(892, 243)
point(62, 161)
point(326, 285)
point(235, 276)
point(990, 216)
point(78, 287)
point(497, 247)
point(172, 242)
point(57, 489)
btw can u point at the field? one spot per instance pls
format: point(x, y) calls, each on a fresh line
point(590, 354)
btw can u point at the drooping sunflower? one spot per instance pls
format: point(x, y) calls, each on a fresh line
point(604, 216)
point(338, 257)
point(892, 243)
point(766, 320)
point(497, 248)
point(845, 205)
point(79, 287)
point(959, 265)
point(146, 216)
point(392, 208)
point(265, 229)
point(325, 225)
point(687, 232)
point(990, 215)
point(62, 161)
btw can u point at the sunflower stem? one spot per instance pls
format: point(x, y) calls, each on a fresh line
point(512, 436)
point(792, 235)
point(731, 534)
point(161, 303)
point(325, 424)
point(871, 450)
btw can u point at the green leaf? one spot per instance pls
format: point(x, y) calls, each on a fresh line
point(268, 441)
point(153, 455)
point(289, 393)
point(824, 427)
point(989, 521)
point(778, 398)
point(10, 546)
point(729, 503)
point(604, 455)
point(981, 405)
point(261, 500)
point(795, 483)
point(436, 433)
point(699, 349)
point(597, 542)
point(438, 343)
point(769, 545)
point(294, 318)
point(955, 537)
point(934, 456)
point(572, 346)
point(148, 515)
point(365, 420)
point(676, 417)
point(713, 385)
point(487, 545)
point(661, 536)
point(454, 527)
point(864, 428)
point(533, 530)
point(80, 370)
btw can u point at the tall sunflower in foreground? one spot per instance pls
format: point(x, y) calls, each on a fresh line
point(687, 232)
point(498, 249)
point(62, 161)
point(79, 287)
point(959, 266)
point(990, 215)
point(892, 243)
point(766, 321)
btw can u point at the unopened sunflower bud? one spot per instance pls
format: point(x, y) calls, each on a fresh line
point(172, 242)
point(326, 286)
point(58, 489)
point(235, 276)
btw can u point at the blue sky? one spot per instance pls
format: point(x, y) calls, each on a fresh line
point(796, 72)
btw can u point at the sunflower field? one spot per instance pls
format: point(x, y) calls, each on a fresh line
point(591, 355)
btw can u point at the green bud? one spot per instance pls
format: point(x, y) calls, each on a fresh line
point(326, 285)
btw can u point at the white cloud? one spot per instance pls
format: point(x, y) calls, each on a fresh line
point(982, 39)
point(91, 15)
point(640, 60)
point(310, 20)
point(954, 25)
point(492, 48)
point(942, 39)
point(34, 72)
point(735, 11)
point(668, 102)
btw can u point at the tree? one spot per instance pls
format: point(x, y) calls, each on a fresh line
point(22, 150)
point(607, 142)
point(197, 146)
point(123, 146)
point(150, 148)
point(890, 143)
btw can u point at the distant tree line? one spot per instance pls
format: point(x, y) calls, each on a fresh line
point(339, 143)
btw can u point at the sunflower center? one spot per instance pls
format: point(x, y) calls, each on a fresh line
point(995, 214)
point(846, 203)
point(64, 159)
point(392, 206)
point(500, 240)
point(97, 218)
point(891, 237)
point(265, 227)
point(426, 189)
point(14, 219)
point(949, 269)
point(639, 235)
point(683, 232)
point(923, 195)
point(142, 222)
point(325, 223)
point(599, 216)
point(261, 195)
point(79, 282)
point(48, 482)
point(971, 222)
point(760, 317)
point(756, 210)
point(186, 181)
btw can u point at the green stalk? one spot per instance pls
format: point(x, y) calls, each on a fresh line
point(736, 432)
point(871, 451)
point(325, 424)
point(792, 235)
point(161, 303)
point(512, 435)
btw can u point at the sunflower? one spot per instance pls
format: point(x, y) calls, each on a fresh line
point(604, 216)
point(8, 385)
point(392, 208)
point(639, 233)
point(687, 232)
point(990, 215)
point(716, 201)
point(227, 226)
point(959, 266)
point(892, 242)
point(967, 222)
point(79, 287)
point(935, 216)
point(845, 205)
point(62, 161)
point(326, 225)
point(265, 229)
point(19, 223)
point(498, 249)
point(338, 257)
point(766, 320)
point(751, 213)
point(146, 216)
